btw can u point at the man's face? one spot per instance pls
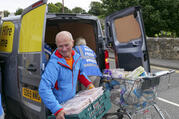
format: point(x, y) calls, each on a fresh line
point(64, 45)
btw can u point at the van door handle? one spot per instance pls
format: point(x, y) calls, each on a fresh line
point(135, 44)
point(32, 68)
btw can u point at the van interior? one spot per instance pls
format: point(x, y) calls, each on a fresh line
point(78, 28)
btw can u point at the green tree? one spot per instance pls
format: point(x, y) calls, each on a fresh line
point(6, 13)
point(57, 8)
point(111, 6)
point(60, 6)
point(96, 9)
point(157, 14)
point(66, 10)
point(18, 11)
point(52, 8)
point(78, 10)
point(161, 15)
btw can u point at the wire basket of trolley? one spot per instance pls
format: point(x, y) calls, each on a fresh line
point(133, 92)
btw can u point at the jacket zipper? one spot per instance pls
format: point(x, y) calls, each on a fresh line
point(70, 69)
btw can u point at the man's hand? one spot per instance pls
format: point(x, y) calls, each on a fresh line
point(90, 86)
point(61, 115)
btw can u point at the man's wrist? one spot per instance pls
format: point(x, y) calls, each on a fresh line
point(90, 86)
point(58, 111)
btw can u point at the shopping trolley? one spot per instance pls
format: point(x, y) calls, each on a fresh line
point(135, 97)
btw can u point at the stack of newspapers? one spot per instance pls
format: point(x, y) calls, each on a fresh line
point(82, 100)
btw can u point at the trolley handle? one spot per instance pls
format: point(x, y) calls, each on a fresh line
point(163, 73)
point(159, 74)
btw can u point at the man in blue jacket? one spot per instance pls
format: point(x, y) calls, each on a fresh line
point(59, 80)
point(89, 60)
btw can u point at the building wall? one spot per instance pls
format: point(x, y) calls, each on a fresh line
point(163, 48)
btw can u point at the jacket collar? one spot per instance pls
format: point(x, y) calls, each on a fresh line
point(60, 56)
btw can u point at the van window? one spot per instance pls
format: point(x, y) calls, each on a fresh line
point(127, 29)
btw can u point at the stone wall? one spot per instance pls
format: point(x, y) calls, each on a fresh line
point(163, 48)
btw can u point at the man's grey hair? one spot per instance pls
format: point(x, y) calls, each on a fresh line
point(80, 41)
point(64, 34)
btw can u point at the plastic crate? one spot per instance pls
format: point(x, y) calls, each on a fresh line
point(95, 110)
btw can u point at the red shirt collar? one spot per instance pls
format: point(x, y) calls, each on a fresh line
point(60, 56)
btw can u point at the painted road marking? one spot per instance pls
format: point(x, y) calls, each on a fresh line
point(162, 68)
point(167, 101)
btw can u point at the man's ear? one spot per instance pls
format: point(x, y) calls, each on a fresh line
point(72, 43)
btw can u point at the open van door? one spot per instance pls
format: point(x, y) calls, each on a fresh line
point(125, 31)
point(31, 39)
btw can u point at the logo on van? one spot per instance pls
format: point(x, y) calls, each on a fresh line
point(3, 42)
point(6, 37)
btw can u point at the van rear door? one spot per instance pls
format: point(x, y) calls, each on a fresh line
point(29, 59)
point(125, 31)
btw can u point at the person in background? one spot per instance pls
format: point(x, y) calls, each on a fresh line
point(47, 53)
point(59, 80)
point(89, 60)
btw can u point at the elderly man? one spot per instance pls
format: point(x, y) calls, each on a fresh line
point(59, 80)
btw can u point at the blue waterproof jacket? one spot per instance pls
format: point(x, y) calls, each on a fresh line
point(58, 82)
point(89, 60)
point(1, 108)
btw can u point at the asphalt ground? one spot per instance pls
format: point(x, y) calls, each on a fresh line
point(172, 64)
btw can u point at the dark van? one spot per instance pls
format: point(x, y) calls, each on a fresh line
point(22, 40)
